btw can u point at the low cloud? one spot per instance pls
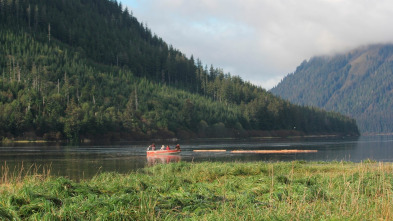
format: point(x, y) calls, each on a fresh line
point(263, 40)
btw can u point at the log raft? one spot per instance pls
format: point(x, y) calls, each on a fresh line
point(210, 150)
point(274, 151)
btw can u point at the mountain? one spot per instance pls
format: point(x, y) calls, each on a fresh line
point(87, 69)
point(358, 84)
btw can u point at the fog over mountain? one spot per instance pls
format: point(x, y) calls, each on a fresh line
point(262, 41)
point(358, 83)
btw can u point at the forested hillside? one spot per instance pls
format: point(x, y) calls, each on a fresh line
point(357, 84)
point(88, 69)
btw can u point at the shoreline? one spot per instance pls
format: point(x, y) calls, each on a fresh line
point(86, 141)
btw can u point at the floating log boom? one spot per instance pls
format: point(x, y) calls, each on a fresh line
point(210, 150)
point(274, 151)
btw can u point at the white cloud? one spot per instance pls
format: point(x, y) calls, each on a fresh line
point(263, 40)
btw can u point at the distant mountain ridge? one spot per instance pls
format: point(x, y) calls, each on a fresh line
point(358, 84)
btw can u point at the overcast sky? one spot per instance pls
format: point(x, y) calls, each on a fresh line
point(264, 40)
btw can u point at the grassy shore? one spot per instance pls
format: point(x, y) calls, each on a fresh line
point(207, 191)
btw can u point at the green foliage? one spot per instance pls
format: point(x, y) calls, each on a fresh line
point(101, 74)
point(357, 84)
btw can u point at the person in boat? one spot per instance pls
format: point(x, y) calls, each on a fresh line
point(177, 147)
point(153, 146)
point(162, 147)
point(167, 147)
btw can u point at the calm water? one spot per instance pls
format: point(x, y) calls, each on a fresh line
point(86, 161)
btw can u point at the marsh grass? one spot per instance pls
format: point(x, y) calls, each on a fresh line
point(19, 174)
point(206, 191)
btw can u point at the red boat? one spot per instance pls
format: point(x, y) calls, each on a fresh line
point(162, 152)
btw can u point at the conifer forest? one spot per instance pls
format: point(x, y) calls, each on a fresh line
point(88, 69)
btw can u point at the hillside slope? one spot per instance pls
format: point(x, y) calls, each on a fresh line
point(87, 69)
point(358, 84)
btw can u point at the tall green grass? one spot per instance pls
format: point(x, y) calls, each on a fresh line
point(208, 191)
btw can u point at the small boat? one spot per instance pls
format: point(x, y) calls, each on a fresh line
point(162, 152)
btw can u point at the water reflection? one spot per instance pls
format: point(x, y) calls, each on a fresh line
point(163, 159)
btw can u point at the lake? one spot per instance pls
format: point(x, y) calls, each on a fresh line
point(85, 161)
